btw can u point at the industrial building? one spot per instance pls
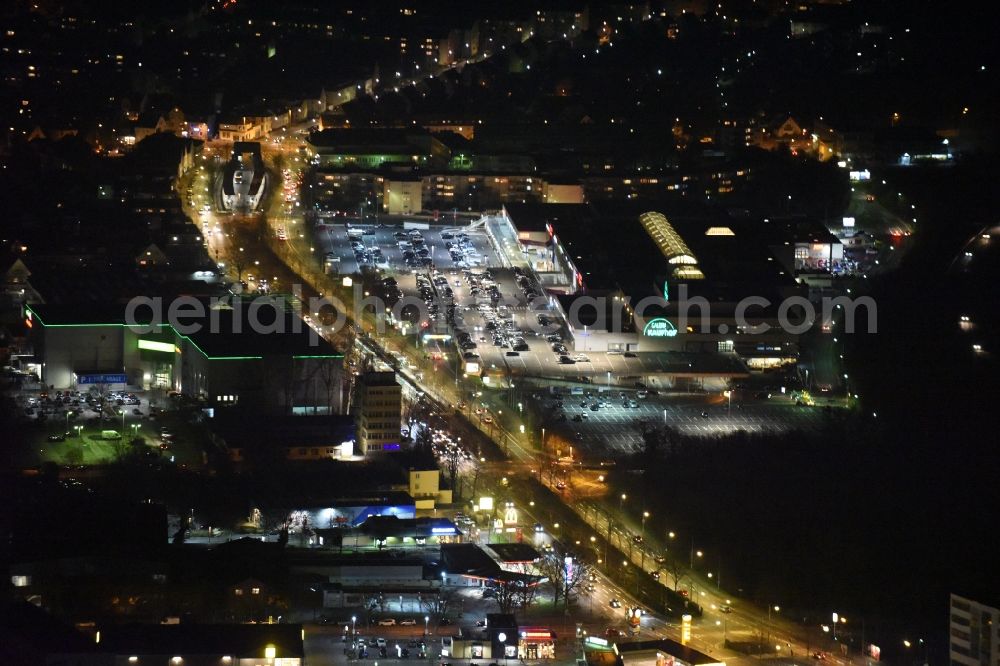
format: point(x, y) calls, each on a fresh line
point(261, 357)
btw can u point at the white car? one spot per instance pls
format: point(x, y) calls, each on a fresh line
point(387, 622)
point(407, 623)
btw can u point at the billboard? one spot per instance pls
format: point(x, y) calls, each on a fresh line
point(104, 378)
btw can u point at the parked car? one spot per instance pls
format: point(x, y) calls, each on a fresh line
point(408, 622)
point(387, 622)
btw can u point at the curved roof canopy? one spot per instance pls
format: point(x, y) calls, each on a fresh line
point(671, 245)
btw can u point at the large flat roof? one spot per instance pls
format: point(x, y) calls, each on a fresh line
point(515, 552)
point(244, 332)
point(237, 640)
point(685, 653)
point(238, 428)
point(612, 250)
point(373, 140)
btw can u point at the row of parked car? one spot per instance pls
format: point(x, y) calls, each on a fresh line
point(461, 249)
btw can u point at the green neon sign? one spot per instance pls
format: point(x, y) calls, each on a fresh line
point(659, 328)
point(666, 290)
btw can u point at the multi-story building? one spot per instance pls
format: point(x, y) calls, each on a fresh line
point(975, 633)
point(380, 412)
point(244, 128)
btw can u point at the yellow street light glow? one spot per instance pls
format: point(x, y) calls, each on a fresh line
point(269, 652)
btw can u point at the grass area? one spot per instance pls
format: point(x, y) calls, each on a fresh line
point(88, 447)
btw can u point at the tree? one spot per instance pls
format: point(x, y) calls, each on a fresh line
point(505, 596)
point(673, 565)
point(514, 593)
point(564, 575)
point(239, 263)
point(452, 460)
point(652, 444)
point(423, 440)
point(526, 593)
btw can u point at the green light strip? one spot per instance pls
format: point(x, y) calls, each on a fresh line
point(183, 337)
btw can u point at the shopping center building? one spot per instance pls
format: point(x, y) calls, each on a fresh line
point(654, 278)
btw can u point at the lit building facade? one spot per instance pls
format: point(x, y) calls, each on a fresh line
point(975, 633)
point(380, 413)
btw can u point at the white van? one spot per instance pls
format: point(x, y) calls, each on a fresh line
point(110, 434)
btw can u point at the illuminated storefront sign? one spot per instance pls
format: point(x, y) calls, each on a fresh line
point(153, 345)
point(102, 379)
point(659, 328)
point(685, 629)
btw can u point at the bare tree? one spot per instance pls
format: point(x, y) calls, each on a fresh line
point(676, 569)
point(505, 596)
point(564, 576)
point(239, 262)
point(526, 593)
point(514, 593)
point(451, 460)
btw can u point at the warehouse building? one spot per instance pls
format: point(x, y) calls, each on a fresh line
point(262, 357)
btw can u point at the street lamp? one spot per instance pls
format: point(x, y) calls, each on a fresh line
point(621, 504)
point(645, 515)
point(426, 620)
point(354, 625)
